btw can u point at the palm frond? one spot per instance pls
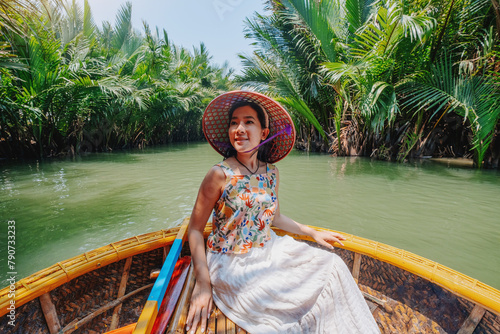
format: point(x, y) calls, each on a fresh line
point(313, 13)
point(357, 13)
point(382, 36)
point(297, 104)
point(89, 27)
point(123, 26)
point(475, 98)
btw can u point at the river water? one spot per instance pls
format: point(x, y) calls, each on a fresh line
point(63, 208)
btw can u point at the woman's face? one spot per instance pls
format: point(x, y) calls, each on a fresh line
point(245, 130)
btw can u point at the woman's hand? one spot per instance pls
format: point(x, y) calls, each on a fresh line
point(199, 308)
point(322, 238)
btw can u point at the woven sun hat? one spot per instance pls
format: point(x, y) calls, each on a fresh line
point(216, 123)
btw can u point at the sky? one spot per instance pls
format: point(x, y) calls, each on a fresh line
point(216, 23)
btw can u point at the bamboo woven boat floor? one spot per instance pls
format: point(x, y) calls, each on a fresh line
point(393, 317)
point(219, 324)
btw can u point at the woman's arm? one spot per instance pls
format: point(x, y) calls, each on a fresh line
point(201, 299)
point(290, 225)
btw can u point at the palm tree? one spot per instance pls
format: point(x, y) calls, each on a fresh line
point(356, 58)
point(327, 53)
point(71, 86)
point(286, 67)
point(475, 98)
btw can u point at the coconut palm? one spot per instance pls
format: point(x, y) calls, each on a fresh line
point(286, 67)
point(475, 98)
point(332, 48)
point(85, 89)
point(370, 67)
point(363, 54)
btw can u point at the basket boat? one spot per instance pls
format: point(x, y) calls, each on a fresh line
point(109, 290)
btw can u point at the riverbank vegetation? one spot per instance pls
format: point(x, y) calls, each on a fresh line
point(68, 86)
point(390, 79)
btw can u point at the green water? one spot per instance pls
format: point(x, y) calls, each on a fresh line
point(64, 208)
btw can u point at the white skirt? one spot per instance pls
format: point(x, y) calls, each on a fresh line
point(288, 286)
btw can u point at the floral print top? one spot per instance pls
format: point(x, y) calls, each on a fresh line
point(243, 214)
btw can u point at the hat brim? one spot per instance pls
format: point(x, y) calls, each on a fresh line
point(216, 123)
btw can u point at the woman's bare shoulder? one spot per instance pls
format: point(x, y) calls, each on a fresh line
point(215, 177)
point(217, 171)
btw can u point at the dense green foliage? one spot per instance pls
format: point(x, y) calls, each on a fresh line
point(386, 78)
point(391, 79)
point(68, 86)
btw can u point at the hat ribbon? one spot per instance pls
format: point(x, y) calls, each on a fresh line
point(287, 129)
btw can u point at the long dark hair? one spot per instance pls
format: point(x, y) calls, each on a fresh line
point(263, 151)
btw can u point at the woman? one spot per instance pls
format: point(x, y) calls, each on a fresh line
point(262, 282)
